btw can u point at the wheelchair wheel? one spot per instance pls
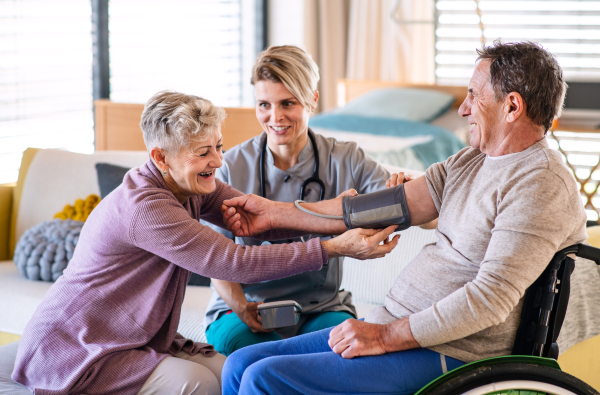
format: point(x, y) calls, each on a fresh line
point(513, 379)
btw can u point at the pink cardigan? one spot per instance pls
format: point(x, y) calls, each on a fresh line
point(112, 317)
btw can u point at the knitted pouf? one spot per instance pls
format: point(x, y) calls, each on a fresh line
point(44, 250)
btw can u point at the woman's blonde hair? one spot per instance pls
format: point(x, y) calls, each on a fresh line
point(171, 119)
point(292, 67)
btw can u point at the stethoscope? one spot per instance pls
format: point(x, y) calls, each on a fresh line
point(313, 178)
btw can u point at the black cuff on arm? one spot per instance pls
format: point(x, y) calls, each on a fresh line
point(377, 210)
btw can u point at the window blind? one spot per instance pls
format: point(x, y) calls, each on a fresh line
point(45, 79)
point(203, 47)
point(568, 29)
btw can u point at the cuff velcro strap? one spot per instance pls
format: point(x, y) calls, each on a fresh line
point(377, 210)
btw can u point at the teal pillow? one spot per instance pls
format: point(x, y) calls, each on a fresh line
point(419, 105)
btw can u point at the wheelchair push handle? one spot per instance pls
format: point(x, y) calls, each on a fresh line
point(588, 252)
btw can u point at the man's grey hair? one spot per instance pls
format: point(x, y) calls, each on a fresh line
point(171, 119)
point(531, 71)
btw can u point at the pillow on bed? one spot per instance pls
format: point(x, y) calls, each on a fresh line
point(420, 105)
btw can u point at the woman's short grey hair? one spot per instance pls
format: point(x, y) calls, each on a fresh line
point(171, 119)
point(531, 71)
point(292, 67)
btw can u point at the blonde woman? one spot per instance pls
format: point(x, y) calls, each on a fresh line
point(109, 324)
point(288, 161)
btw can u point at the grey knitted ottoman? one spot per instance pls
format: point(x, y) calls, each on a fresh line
point(8, 354)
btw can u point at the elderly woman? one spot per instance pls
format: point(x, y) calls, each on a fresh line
point(283, 164)
point(109, 324)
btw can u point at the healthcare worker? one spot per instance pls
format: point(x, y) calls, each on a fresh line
point(288, 161)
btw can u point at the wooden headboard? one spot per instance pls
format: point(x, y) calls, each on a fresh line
point(118, 126)
point(349, 89)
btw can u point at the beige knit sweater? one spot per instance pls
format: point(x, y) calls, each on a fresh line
point(501, 219)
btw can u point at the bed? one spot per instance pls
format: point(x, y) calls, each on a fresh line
point(410, 126)
point(402, 139)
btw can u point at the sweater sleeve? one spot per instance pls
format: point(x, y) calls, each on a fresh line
point(160, 225)
point(532, 223)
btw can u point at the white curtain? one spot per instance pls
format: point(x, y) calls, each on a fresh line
point(384, 43)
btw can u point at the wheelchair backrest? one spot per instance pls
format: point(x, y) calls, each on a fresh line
point(545, 304)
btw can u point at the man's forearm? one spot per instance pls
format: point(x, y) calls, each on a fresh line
point(288, 216)
point(397, 336)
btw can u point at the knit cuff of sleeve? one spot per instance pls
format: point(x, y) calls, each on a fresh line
point(324, 254)
point(425, 328)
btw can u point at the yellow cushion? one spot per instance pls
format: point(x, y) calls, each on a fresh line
point(6, 338)
point(28, 156)
point(6, 197)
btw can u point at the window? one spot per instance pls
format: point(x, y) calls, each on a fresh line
point(202, 47)
point(45, 79)
point(568, 29)
point(206, 48)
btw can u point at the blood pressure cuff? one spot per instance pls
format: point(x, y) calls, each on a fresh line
point(377, 210)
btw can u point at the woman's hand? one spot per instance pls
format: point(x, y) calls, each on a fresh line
point(398, 178)
point(247, 215)
point(362, 243)
point(249, 316)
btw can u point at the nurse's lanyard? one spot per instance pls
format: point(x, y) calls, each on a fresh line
point(313, 178)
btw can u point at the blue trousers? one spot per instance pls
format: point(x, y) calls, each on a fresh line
point(228, 333)
point(306, 365)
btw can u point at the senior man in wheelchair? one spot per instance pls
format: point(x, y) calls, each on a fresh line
point(505, 206)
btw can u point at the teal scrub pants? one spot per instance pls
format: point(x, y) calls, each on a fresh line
point(228, 333)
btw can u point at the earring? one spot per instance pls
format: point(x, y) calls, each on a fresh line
point(164, 173)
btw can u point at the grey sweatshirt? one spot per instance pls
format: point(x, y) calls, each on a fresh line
point(501, 219)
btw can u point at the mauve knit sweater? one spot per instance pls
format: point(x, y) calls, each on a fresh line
point(106, 324)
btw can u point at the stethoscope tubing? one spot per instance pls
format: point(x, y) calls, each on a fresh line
point(313, 178)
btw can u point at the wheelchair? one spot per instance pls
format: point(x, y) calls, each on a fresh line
point(532, 367)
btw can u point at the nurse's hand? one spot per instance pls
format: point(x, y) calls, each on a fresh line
point(362, 243)
point(349, 192)
point(249, 316)
point(398, 178)
point(401, 178)
point(247, 215)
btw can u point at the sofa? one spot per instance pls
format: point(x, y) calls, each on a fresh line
point(50, 179)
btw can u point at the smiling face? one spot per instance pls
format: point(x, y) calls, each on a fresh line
point(281, 115)
point(192, 170)
point(484, 113)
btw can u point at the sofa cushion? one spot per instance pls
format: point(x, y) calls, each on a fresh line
point(56, 177)
point(109, 177)
point(8, 354)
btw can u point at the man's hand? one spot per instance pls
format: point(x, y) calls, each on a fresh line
point(354, 338)
point(362, 243)
point(249, 316)
point(247, 215)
